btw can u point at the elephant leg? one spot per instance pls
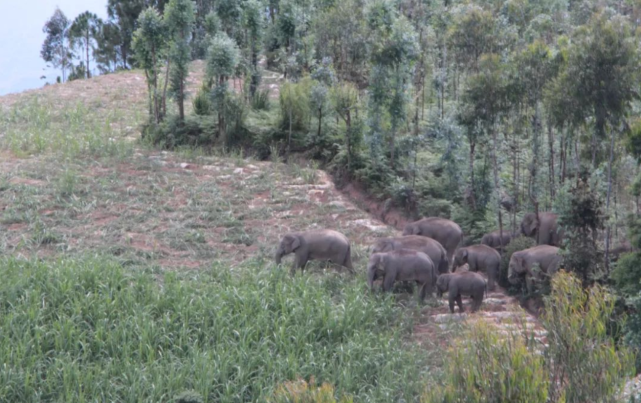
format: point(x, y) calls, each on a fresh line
point(451, 303)
point(459, 302)
point(423, 291)
point(348, 262)
point(388, 281)
point(476, 302)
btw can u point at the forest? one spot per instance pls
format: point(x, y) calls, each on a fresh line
point(481, 112)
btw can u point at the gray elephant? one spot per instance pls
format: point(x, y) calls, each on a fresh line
point(429, 246)
point(463, 283)
point(445, 231)
point(480, 258)
point(323, 244)
point(545, 230)
point(523, 262)
point(402, 265)
point(493, 239)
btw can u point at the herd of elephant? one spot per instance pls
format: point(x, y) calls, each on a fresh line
point(429, 248)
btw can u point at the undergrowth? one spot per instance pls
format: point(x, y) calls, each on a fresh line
point(86, 329)
point(38, 125)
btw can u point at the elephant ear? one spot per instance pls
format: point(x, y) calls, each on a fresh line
point(295, 242)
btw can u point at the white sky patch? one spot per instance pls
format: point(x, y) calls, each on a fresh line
point(21, 38)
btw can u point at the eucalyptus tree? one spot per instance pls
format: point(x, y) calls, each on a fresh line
point(485, 97)
point(179, 20)
point(56, 49)
point(150, 47)
point(222, 59)
point(535, 68)
point(345, 100)
point(253, 23)
point(84, 30)
point(602, 73)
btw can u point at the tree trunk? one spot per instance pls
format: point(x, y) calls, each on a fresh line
point(320, 119)
point(607, 203)
point(471, 167)
point(164, 91)
point(348, 135)
point(551, 160)
point(496, 183)
point(87, 74)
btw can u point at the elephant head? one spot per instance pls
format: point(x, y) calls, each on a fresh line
point(375, 266)
point(460, 258)
point(516, 268)
point(411, 229)
point(529, 225)
point(288, 244)
point(442, 284)
point(382, 245)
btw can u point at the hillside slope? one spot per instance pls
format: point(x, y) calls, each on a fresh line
point(88, 189)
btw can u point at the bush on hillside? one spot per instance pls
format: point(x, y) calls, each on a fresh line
point(482, 367)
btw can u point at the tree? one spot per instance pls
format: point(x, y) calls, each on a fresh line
point(253, 23)
point(471, 35)
point(125, 14)
point(222, 59)
point(56, 48)
point(601, 75)
point(179, 19)
point(485, 96)
point(85, 30)
point(345, 100)
point(107, 52)
point(150, 45)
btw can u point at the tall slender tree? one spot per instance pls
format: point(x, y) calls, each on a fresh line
point(84, 30)
point(179, 19)
point(56, 48)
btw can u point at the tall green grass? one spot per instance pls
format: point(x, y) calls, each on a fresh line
point(89, 330)
point(38, 125)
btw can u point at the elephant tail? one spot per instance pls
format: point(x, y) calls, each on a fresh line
point(347, 262)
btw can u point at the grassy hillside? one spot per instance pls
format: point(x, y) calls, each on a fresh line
point(134, 274)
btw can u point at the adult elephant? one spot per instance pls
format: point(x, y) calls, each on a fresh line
point(323, 244)
point(402, 265)
point(494, 240)
point(480, 258)
point(429, 246)
point(544, 230)
point(446, 232)
point(522, 263)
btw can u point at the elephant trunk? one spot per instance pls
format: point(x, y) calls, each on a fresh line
point(278, 257)
point(371, 276)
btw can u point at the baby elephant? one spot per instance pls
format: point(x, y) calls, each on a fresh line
point(323, 244)
point(480, 257)
point(402, 265)
point(459, 284)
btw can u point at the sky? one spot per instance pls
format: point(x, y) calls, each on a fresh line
point(21, 38)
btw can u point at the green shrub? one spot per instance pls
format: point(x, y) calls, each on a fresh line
point(294, 102)
point(584, 362)
point(202, 102)
point(483, 368)
point(581, 362)
point(76, 330)
point(627, 274)
point(517, 244)
point(260, 100)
